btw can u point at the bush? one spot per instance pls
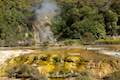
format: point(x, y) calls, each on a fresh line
point(84, 76)
point(88, 38)
point(108, 41)
point(25, 71)
point(56, 59)
point(72, 59)
point(72, 42)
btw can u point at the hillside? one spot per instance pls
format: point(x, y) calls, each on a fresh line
point(84, 20)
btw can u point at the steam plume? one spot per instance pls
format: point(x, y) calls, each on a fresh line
point(48, 8)
point(44, 15)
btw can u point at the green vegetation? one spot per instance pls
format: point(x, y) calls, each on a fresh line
point(25, 71)
point(13, 21)
point(108, 41)
point(97, 18)
point(71, 42)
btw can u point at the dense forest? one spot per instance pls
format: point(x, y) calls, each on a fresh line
point(77, 19)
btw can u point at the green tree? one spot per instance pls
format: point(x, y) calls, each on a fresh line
point(111, 19)
point(12, 20)
point(76, 21)
point(99, 17)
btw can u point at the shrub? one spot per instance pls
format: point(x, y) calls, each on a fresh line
point(108, 41)
point(72, 42)
point(44, 45)
point(56, 59)
point(72, 59)
point(84, 76)
point(25, 71)
point(88, 38)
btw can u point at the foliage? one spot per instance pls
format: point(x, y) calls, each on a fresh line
point(108, 41)
point(94, 16)
point(111, 22)
point(88, 38)
point(84, 76)
point(13, 16)
point(25, 71)
point(56, 59)
point(71, 42)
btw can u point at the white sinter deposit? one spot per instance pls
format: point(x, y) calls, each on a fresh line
point(7, 54)
point(103, 50)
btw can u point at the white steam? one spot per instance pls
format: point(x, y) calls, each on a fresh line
point(44, 14)
point(48, 9)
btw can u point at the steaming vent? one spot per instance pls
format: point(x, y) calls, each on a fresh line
point(42, 24)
